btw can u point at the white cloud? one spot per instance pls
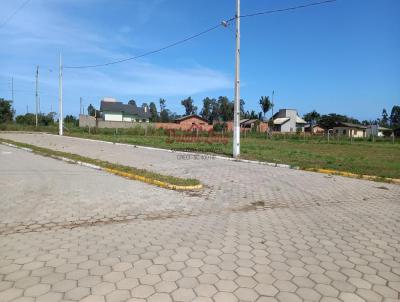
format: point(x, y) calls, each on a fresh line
point(149, 79)
point(38, 33)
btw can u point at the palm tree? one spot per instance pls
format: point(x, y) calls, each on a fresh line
point(266, 104)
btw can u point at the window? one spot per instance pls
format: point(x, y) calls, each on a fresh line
point(344, 131)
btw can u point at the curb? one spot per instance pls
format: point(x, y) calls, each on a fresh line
point(158, 183)
point(132, 176)
point(353, 175)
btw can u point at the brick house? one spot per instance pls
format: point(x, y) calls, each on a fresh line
point(192, 122)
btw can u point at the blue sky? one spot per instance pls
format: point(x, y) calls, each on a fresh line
point(341, 57)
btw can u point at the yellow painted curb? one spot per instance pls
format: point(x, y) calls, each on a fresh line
point(152, 181)
point(353, 175)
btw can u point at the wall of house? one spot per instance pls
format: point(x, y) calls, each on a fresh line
point(349, 132)
point(185, 126)
point(290, 125)
point(114, 117)
point(90, 121)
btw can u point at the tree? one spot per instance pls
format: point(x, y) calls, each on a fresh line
point(132, 102)
point(207, 111)
point(328, 121)
point(190, 108)
point(265, 104)
point(153, 112)
point(27, 119)
point(312, 117)
point(395, 117)
point(162, 105)
point(70, 119)
point(6, 111)
point(165, 116)
point(30, 119)
point(384, 122)
point(225, 109)
point(91, 110)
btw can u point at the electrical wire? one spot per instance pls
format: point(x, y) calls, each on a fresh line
point(222, 24)
point(151, 52)
point(6, 20)
point(286, 9)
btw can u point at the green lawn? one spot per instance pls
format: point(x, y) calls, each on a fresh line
point(380, 158)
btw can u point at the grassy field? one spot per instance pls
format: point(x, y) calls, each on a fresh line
point(379, 158)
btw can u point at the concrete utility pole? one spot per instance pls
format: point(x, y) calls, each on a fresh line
point(80, 105)
point(236, 113)
point(60, 99)
point(12, 89)
point(37, 96)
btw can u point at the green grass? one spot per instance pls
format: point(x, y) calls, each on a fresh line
point(104, 164)
point(362, 156)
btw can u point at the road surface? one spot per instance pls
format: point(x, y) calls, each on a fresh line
point(70, 233)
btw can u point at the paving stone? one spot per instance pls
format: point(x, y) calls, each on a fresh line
point(142, 291)
point(225, 297)
point(234, 240)
point(37, 290)
point(183, 294)
point(118, 296)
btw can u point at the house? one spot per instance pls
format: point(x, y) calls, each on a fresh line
point(314, 129)
point(349, 130)
point(191, 122)
point(250, 124)
point(246, 125)
point(287, 120)
point(375, 130)
point(114, 111)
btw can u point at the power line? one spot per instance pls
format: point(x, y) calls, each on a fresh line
point(286, 9)
point(224, 24)
point(150, 52)
point(6, 20)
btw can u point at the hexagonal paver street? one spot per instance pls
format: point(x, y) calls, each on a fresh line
point(254, 233)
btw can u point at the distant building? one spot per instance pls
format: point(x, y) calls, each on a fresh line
point(349, 130)
point(246, 125)
point(375, 130)
point(287, 120)
point(314, 129)
point(114, 111)
point(191, 122)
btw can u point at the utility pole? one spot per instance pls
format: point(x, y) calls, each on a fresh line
point(80, 106)
point(60, 99)
point(236, 113)
point(36, 96)
point(12, 89)
point(272, 108)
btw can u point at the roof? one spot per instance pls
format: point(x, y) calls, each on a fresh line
point(281, 120)
point(299, 120)
point(380, 128)
point(124, 108)
point(350, 125)
point(190, 116)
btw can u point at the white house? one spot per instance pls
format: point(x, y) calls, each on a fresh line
point(114, 111)
point(287, 120)
point(349, 130)
point(375, 130)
